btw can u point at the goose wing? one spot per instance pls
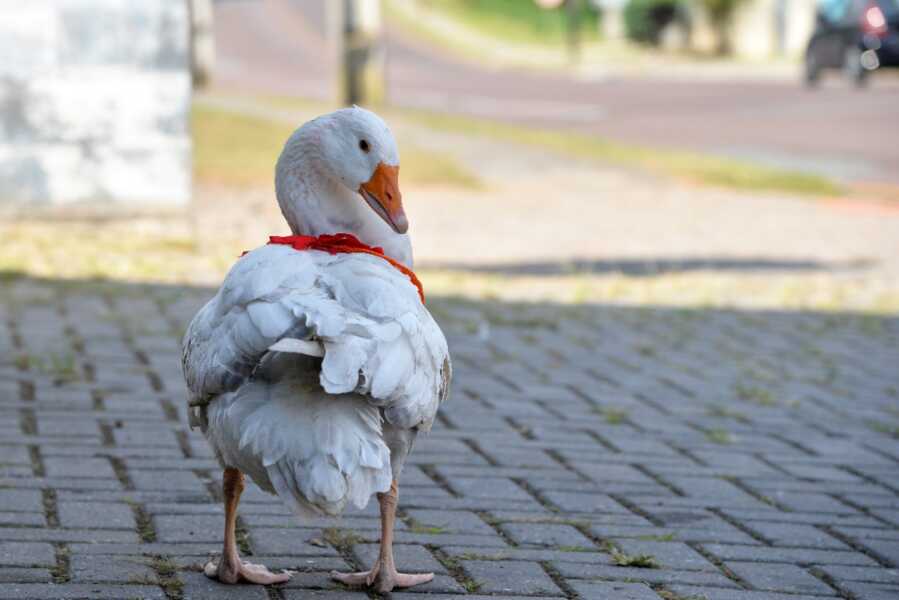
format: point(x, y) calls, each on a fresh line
point(377, 337)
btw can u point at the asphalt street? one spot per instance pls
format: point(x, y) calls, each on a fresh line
point(280, 47)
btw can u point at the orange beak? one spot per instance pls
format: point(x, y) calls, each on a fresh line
point(382, 192)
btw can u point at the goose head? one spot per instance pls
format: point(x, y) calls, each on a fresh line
point(340, 173)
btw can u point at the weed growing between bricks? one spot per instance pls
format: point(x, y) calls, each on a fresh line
point(623, 559)
point(167, 576)
point(456, 570)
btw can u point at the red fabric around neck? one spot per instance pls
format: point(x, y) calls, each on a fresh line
point(344, 243)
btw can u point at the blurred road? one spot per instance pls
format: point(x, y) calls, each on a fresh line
point(279, 47)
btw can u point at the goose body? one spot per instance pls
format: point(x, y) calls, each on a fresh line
point(311, 429)
point(313, 372)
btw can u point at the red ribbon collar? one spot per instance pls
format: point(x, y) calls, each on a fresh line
point(344, 243)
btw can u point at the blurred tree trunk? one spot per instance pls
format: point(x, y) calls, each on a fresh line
point(720, 14)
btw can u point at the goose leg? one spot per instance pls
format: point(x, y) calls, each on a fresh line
point(383, 576)
point(230, 569)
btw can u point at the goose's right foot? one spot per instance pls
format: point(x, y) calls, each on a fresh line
point(230, 569)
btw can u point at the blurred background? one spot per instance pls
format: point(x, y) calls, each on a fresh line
point(673, 151)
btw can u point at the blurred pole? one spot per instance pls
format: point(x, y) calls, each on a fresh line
point(360, 51)
point(202, 41)
point(573, 29)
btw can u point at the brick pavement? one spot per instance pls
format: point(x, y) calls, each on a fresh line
point(590, 451)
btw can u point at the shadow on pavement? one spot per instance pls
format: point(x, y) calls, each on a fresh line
point(654, 266)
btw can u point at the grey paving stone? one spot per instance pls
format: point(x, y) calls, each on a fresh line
point(22, 518)
point(409, 558)
point(199, 587)
point(666, 576)
point(710, 593)
point(92, 568)
point(79, 591)
point(886, 549)
point(619, 591)
point(795, 535)
point(26, 554)
point(674, 555)
point(165, 480)
point(586, 503)
point(304, 594)
point(96, 514)
point(290, 542)
point(784, 555)
point(456, 521)
point(527, 554)
point(492, 488)
point(14, 455)
point(95, 536)
point(545, 534)
point(870, 591)
point(515, 577)
point(21, 500)
point(779, 577)
point(865, 574)
point(24, 575)
point(195, 528)
point(58, 466)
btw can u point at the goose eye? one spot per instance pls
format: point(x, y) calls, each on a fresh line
point(363, 145)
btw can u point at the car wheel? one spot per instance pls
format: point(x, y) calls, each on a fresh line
point(852, 65)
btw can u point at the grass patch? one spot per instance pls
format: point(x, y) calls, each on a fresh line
point(478, 556)
point(612, 415)
point(342, 539)
point(236, 149)
point(719, 436)
point(145, 529)
point(59, 572)
point(667, 537)
point(724, 412)
point(754, 394)
point(427, 529)
point(704, 169)
point(575, 549)
point(456, 570)
point(126, 250)
point(61, 366)
point(638, 561)
point(669, 595)
point(167, 576)
point(889, 429)
point(514, 20)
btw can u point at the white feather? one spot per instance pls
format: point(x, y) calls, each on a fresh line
point(307, 347)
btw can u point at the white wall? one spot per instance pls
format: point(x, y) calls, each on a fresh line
point(94, 103)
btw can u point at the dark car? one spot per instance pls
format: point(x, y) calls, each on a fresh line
point(858, 36)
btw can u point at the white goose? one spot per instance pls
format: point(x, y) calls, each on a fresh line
point(313, 372)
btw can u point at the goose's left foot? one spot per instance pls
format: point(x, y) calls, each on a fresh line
point(238, 571)
point(382, 578)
